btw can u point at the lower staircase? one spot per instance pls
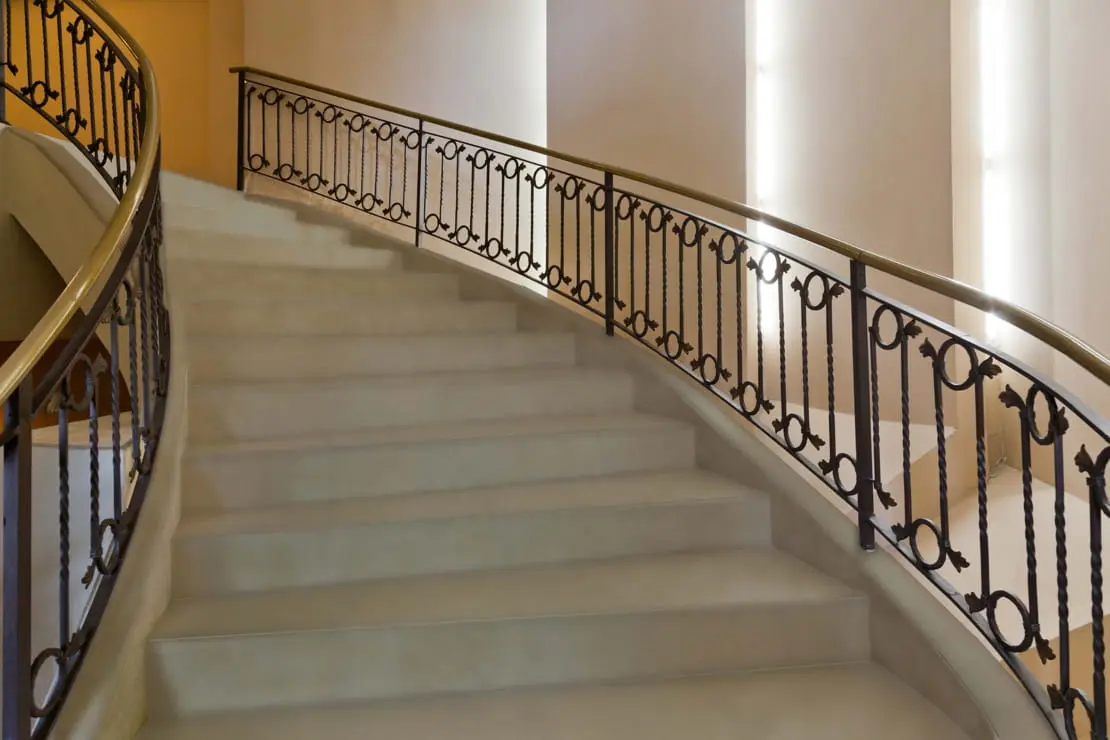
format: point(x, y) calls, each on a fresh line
point(405, 517)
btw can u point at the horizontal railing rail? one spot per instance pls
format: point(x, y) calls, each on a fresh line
point(83, 395)
point(965, 459)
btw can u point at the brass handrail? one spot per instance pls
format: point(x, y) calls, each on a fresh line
point(1037, 326)
point(50, 327)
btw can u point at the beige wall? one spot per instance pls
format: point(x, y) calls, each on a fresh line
point(479, 62)
point(654, 86)
point(1080, 103)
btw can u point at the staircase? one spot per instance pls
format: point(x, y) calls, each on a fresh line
point(405, 517)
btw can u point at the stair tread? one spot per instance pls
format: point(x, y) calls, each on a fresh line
point(631, 489)
point(682, 582)
point(455, 431)
point(493, 376)
point(822, 703)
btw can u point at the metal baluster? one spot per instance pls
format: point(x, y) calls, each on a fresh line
point(117, 456)
point(421, 183)
point(242, 141)
point(1062, 694)
point(94, 472)
point(610, 255)
point(17, 699)
point(133, 363)
point(64, 402)
point(1097, 486)
point(865, 493)
point(6, 63)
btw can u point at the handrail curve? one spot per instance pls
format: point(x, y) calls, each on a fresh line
point(1054, 336)
point(90, 379)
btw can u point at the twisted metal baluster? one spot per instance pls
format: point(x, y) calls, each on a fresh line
point(94, 475)
point(144, 301)
point(779, 276)
point(135, 389)
point(63, 397)
point(831, 379)
point(1062, 693)
point(907, 482)
point(981, 481)
point(1097, 500)
point(117, 461)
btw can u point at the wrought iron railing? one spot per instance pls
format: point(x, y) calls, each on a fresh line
point(83, 394)
point(913, 423)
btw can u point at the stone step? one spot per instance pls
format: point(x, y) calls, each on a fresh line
point(816, 703)
point(621, 619)
point(244, 410)
point(278, 317)
point(259, 220)
point(319, 358)
point(435, 457)
point(412, 534)
point(186, 244)
point(206, 282)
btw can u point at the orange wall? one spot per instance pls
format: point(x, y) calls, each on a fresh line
point(175, 35)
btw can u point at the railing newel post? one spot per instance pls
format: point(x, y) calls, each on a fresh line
point(861, 390)
point(15, 716)
point(610, 255)
point(240, 168)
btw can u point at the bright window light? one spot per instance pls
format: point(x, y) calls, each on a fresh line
point(995, 96)
point(767, 148)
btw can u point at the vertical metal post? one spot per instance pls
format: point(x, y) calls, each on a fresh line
point(861, 390)
point(5, 8)
point(240, 169)
point(15, 715)
point(610, 255)
point(419, 180)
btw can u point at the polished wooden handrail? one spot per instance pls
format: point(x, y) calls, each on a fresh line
point(107, 250)
point(1037, 326)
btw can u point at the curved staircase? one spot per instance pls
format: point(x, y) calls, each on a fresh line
point(406, 517)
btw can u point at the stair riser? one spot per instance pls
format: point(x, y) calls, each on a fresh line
point(205, 283)
point(307, 359)
point(192, 676)
point(245, 480)
point(266, 318)
point(236, 413)
point(207, 566)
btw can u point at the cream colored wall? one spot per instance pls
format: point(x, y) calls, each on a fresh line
point(479, 61)
point(654, 86)
point(1080, 178)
